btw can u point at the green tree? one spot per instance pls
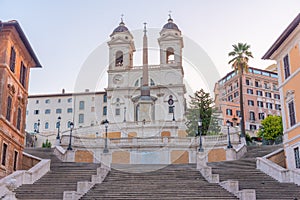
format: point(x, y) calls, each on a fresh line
point(271, 128)
point(47, 144)
point(201, 107)
point(239, 62)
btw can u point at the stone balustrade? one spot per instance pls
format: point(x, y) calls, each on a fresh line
point(20, 177)
point(277, 172)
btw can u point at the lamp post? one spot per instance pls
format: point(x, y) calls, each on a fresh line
point(58, 126)
point(229, 146)
point(200, 135)
point(70, 140)
point(124, 114)
point(36, 130)
point(105, 122)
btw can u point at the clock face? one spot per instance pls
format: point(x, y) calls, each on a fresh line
point(117, 79)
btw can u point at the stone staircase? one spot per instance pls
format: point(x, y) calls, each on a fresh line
point(244, 170)
point(156, 182)
point(62, 177)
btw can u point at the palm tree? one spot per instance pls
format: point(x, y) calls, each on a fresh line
point(239, 62)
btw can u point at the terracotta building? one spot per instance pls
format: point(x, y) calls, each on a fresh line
point(286, 52)
point(16, 59)
point(261, 97)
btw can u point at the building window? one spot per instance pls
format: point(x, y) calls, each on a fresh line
point(69, 110)
point(69, 124)
point(47, 125)
point(170, 55)
point(236, 94)
point(104, 110)
point(259, 93)
point(92, 109)
point(297, 157)
point(261, 116)
point(267, 86)
point(8, 108)
point(58, 100)
point(15, 161)
point(276, 96)
point(238, 113)
point(249, 91)
point(257, 84)
point(47, 111)
point(23, 72)
point(292, 113)
point(69, 100)
point(277, 107)
point(260, 104)
point(58, 111)
point(286, 66)
point(119, 59)
point(269, 105)
point(36, 112)
point(12, 60)
point(252, 115)
point(37, 101)
point(247, 82)
point(4, 152)
point(268, 94)
point(81, 118)
point(19, 119)
point(252, 127)
point(230, 98)
point(81, 105)
point(47, 101)
point(117, 111)
point(105, 98)
point(229, 112)
point(250, 103)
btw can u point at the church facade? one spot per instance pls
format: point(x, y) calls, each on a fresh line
point(147, 100)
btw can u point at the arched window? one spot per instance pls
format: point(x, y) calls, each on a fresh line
point(104, 110)
point(170, 55)
point(46, 125)
point(119, 58)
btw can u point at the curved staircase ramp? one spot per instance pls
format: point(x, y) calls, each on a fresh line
point(63, 176)
point(244, 171)
point(156, 182)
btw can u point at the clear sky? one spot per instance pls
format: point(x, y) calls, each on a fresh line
point(64, 33)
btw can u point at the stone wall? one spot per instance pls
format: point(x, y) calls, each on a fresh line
point(279, 159)
point(29, 162)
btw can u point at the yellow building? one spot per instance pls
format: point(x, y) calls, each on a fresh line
point(286, 51)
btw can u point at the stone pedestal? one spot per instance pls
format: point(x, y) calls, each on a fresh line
point(106, 159)
point(70, 156)
point(201, 159)
point(230, 154)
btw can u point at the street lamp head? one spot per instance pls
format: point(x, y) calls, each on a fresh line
point(200, 122)
point(71, 125)
point(105, 122)
point(228, 123)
